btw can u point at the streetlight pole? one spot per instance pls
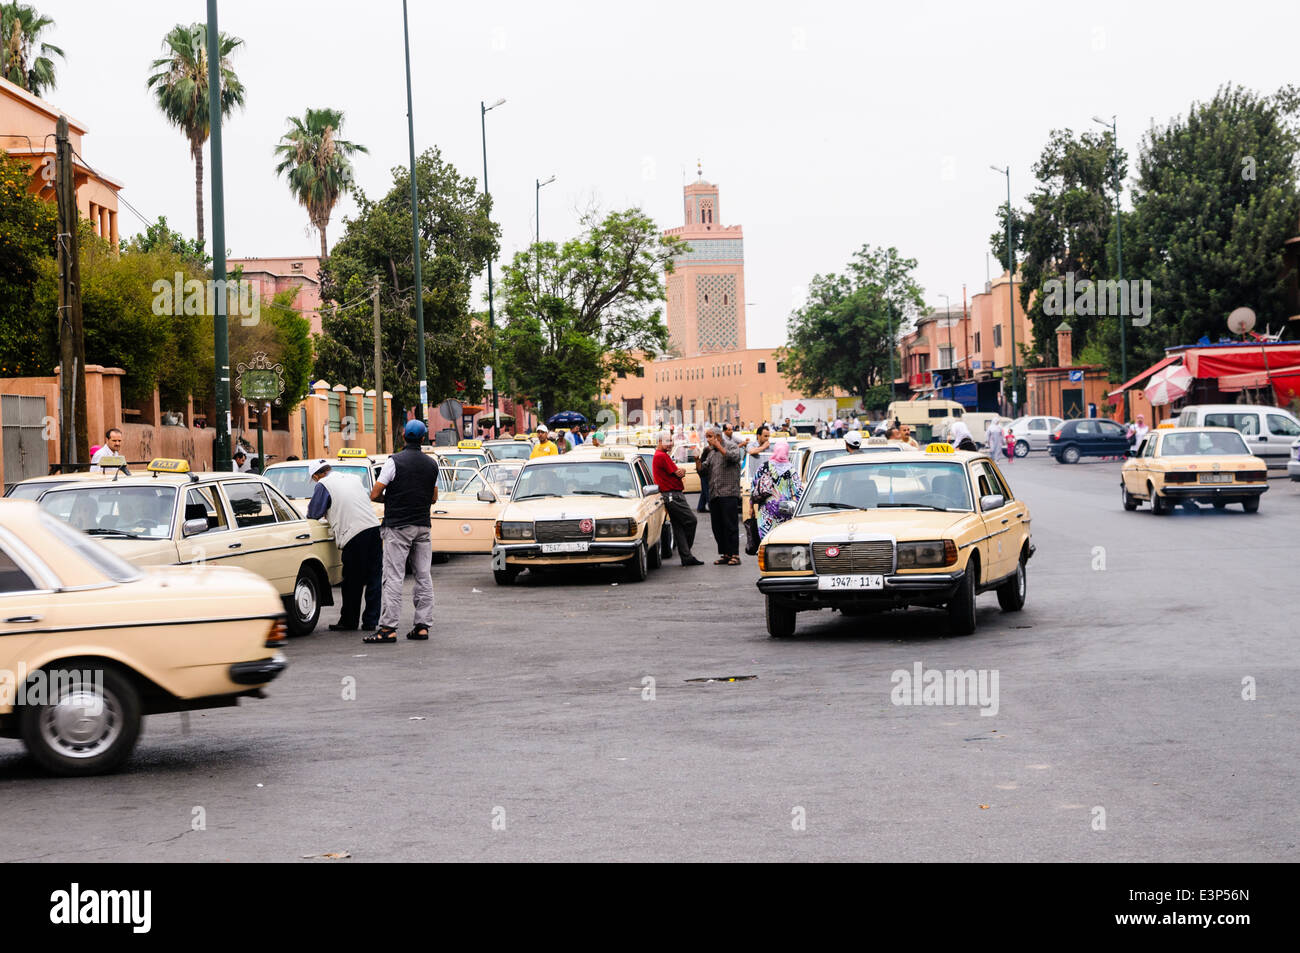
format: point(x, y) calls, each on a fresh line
point(1119, 251)
point(537, 240)
point(220, 332)
point(537, 212)
point(415, 222)
point(1011, 289)
point(948, 302)
point(496, 411)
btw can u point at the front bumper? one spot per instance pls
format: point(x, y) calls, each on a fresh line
point(597, 550)
point(899, 590)
point(1293, 469)
point(1213, 491)
point(258, 672)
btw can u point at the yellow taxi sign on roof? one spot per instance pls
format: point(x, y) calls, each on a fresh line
point(469, 445)
point(163, 465)
point(940, 447)
point(1167, 425)
point(353, 452)
point(521, 436)
point(611, 454)
point(112, 462)
point(881, 442)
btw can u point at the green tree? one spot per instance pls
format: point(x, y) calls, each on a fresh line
point(180, 85)
point(26, 59)
point(27, 227)
point(843, 335)
point(317, 164)
point(577, 313)
point(160, 235)
point(457, 238)
point(1215, 199)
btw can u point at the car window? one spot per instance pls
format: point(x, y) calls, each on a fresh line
point(12, 578)
point(1036, 424)
point(291, 481)
point(1109, 429)
point(1085, 427)
point(1282, 426)
point(999, 480)
point(284, 511)
point(201, 503)
point(249, 504)
point(1202, 443)
point(641, 475)
point(1248, 424)
point(1149, 447)
point(31, 491)
point(989, 481)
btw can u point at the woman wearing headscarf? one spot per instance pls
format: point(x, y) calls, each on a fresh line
point(960, 436)
point(775, 482)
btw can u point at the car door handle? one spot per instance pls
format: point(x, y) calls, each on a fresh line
point(24, 618)
point(234, 546)
point(303, 536)
point(439, 512)
point(1006, 521)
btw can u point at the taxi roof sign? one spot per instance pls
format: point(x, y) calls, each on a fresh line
point(112, 462)
point(940, 447)
point(469, 445)
point(880, 442)
point(611, 454)
point(1167, 425)
point(521, 436)
point(345, 452)
point(164, 465)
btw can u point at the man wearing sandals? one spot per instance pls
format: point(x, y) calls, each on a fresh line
point(408, 487)
point(341, 500)
point(719, 465)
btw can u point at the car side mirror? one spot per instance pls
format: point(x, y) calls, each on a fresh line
point(993, 501)
point(195, 526)
point(785, 509)
point(485, 496)
point(649, 489)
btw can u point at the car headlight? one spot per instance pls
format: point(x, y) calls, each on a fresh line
point(509, 530)
point(934, 552)
point(623, 527)
point(784, 559)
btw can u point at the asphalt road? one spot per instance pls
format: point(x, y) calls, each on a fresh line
point(520, 731)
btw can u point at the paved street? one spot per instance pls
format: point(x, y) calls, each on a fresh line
point(1120, 688)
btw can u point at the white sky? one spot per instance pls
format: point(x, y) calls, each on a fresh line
point(827, 125)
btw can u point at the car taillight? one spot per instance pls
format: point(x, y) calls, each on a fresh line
point(278, 634)
point(1056, 435)
point(1252, 476)
point(1180, 477)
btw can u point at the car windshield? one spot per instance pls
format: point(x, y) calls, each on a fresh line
point(514, 450)
point(575, 479)
point(136, 512)
point(453, 479)
point(461, 459)
point(109, 563)
point(296, 483)
point(30, 491)
point(501, 475)
point(1202, 444)
point(872, 485)
point(821, 456)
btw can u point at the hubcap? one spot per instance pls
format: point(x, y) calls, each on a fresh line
point(82, 723)
point(304, 598)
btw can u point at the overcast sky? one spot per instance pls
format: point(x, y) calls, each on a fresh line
point(827, 125)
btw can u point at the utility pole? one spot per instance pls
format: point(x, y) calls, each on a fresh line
point(415, 223)
point(220, 333)
point(381, 418)
point(74, 445)
point(484, 108)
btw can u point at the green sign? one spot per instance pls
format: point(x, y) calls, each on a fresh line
point(260, 385)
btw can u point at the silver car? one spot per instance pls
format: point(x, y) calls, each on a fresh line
point(1293, 465)
point(1033, 433)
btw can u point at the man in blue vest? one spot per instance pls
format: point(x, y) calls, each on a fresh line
point(408, 487)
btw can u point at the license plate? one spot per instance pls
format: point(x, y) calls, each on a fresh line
point(576, 547)
point(850, 582)
point(1216, 477)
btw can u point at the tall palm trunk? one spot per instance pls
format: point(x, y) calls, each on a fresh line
point(323, 253)
point(198, 193)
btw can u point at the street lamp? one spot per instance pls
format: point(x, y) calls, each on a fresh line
point(537, 212)
point(496, 411)
point(1011, 288)
point(948, 302)
point(415, 225)
point(537, 216)
point(1119, 250)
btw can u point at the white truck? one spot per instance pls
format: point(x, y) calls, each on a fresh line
point(804, 412)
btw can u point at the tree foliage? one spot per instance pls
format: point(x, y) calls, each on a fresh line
point(161, 236)
point(317, 165)
point(843, 335)
point(577, 313)
point(25, 59)
point(457, 239)
point(27, 227)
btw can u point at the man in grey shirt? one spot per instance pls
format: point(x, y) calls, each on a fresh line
point(719, 466)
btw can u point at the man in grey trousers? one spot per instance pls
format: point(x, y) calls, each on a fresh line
point(408, 487)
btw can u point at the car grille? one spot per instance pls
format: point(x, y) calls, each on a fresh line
point(872, 556)
point(561, 531)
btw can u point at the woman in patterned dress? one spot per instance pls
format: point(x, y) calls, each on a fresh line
point(776, 481)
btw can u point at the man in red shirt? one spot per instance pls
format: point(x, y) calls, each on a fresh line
point(668, 477)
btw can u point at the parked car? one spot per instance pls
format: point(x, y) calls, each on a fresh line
point(1192, 465)
point(1269, 431)
point(1293, 465)
point(1090, 437)
point(1033, 433)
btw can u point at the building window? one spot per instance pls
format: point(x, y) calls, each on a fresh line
point(997, 335)
point(977, 341)
point(780, 367)
point(762, 365)
point(945, 357)
point(640, 371)
point(620, 373)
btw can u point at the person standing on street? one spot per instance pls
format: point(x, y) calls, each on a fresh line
point(761, 443)
point(408, 487)
point(341, 500)
point(776, 482)
point(994, 438)
point(719, 464)
point(668, 477)
point(112, 447)
point(544, 446)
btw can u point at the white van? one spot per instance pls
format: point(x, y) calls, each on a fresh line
point(916, 413)
point(1269, 431)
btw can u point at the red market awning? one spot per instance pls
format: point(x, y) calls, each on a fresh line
point(1145, 374)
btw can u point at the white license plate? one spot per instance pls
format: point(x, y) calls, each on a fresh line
point(578, 547)
point(850, 582)
point(1216, 477)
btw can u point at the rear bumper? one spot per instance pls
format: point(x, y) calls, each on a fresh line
point(1293, 469)
point(258, 672)
point(1223, 491)
point(899, 590)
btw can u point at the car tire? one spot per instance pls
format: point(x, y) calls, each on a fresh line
point(1130, 501)
point(666, 541)
point(1250, 504)
point(69, 744)
point(638, 567)
point(780, 620)
point(1011, 594)
point(1070, 454)
point(504, 577)
point(1159, 505)
point(654, 554)
point(1022, 448)
point(304, 603)
point(961, 610)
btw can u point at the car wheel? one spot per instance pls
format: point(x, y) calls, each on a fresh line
point(654, 554)
point(504, 577)
point(1130, 501)
point(1070, 454)
point(1159, 505)
point(89, 727)
point(638, 566)
point(1011, 594)
point(304, 603)
point(1022, 448)
point(780, 620)
point(961, 610)
point(666, 541)
point(1250, 504)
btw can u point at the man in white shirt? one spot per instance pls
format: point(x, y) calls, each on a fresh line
point(342, 501)
point(112, 448)
point(239, 462)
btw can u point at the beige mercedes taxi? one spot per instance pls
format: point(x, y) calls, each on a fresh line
point(293, 477)
point(1191, 465)
point(581, 508)
point(890, 530)
point(170, 516)
point(91, 643)
point(470, 501)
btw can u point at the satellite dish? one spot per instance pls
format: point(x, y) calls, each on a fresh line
point(1241, 320)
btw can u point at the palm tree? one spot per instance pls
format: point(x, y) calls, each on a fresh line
point(20, 30)
point(180, 85)
point(317, 165)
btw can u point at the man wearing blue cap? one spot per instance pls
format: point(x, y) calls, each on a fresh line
point(408, 487)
